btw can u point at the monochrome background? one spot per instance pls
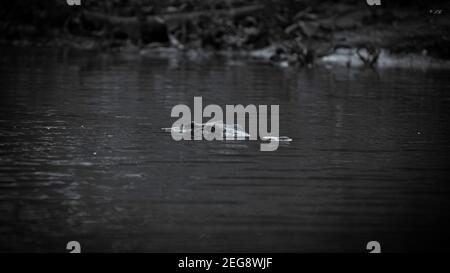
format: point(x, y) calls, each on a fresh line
point(85, 91)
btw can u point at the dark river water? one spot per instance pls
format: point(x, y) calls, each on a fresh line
point(83, 157)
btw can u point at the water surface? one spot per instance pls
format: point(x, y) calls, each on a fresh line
point(83, 157)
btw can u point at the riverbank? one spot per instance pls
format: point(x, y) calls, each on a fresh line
point(294, 33)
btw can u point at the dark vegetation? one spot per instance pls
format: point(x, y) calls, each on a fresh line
point(297, 31)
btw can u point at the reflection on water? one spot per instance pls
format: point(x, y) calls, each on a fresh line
point(83, 157)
